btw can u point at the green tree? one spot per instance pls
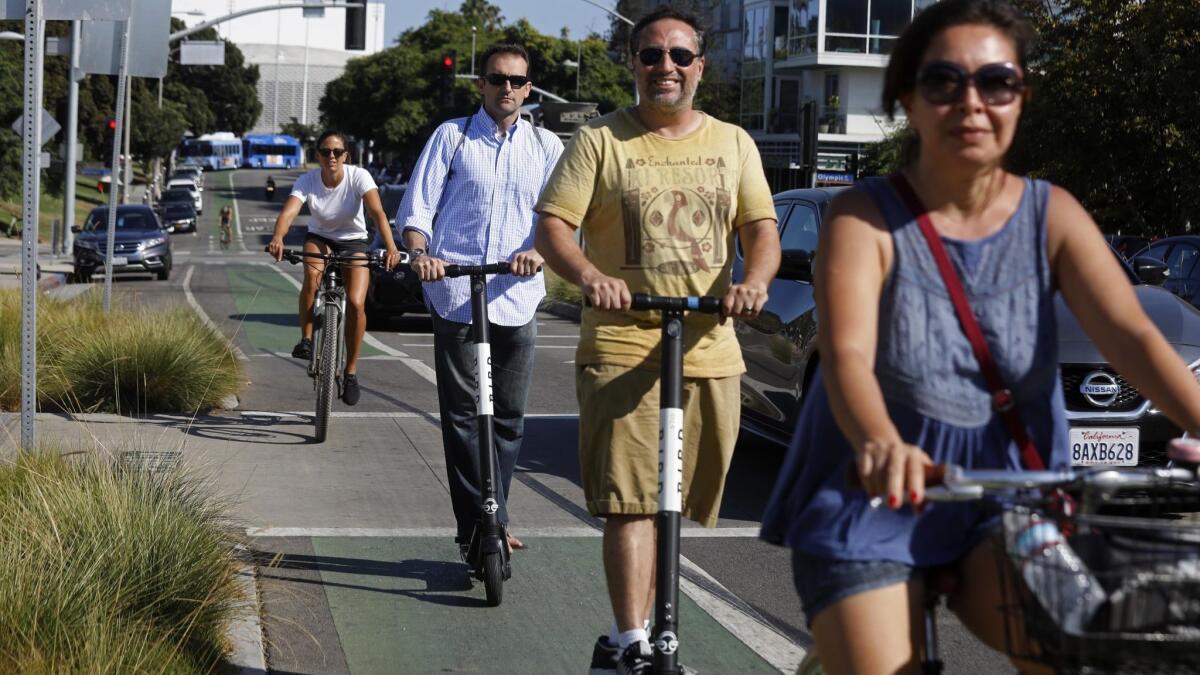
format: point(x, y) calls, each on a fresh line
point(1113, 118)
point(392, 96)
point(305, 133)
point(482, 13)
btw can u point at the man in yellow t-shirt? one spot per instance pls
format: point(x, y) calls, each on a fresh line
point(659, 191)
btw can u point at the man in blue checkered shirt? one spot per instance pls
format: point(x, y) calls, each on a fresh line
point(470, 201)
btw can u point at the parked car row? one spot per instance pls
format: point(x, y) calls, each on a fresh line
point(1111, 422)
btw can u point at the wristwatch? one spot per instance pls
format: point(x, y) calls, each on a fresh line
point(414, 253)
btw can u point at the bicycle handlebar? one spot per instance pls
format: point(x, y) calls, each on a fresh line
point(960, 484)
point(374, 257)
point(470, 270)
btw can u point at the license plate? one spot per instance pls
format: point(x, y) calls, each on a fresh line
point(1114, 446)
point(120, 261)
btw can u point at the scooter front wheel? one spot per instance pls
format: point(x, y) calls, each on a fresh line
point(493, 578)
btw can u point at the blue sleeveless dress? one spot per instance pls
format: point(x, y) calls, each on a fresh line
point(934, 391)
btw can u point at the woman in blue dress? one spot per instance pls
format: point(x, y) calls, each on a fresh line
point(900, 387)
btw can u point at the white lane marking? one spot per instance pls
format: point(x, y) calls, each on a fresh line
point(546, 532)
point(288, 355)
point(419, 367)
point(237, 220)
point(191, 300)
point(377, 415)
point(776, 648)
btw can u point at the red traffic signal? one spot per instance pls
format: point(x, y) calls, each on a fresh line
point(112, 125)
point(448, 62)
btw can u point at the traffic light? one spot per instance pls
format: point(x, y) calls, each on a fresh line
point(106, 143)
point(356, 28)
point(449, 68)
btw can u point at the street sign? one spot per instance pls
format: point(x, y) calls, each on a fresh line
point(202, 53)
point(58, 46)
point(50, 126)
point(86, 10)
point(151, 26)
point(12, 9)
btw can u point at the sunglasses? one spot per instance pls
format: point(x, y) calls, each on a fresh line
point(681, 57)
point(331, 152)
point(498, 80)
point(942, 82)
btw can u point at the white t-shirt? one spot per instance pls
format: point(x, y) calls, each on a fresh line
point(337, 212)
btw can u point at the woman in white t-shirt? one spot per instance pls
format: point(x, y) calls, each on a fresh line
point(335, 194)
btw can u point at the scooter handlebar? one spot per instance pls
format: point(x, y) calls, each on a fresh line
point(468, 270)
point(663, 303)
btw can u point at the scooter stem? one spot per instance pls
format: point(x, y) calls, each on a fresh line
point(670, 496)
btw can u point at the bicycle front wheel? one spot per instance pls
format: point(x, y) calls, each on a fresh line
point(327, 369)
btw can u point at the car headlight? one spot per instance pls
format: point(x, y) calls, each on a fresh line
point(151, 243)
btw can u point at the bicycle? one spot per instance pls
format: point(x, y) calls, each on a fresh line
point(1105, 573)
point(487, 552)
point(328, 358)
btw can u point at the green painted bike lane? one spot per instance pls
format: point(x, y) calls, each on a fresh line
point(405, 605)
point(267, 305)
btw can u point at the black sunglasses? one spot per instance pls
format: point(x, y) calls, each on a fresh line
point(942, 82)
point(498, 80)
point(328, 152)
point(681, 57)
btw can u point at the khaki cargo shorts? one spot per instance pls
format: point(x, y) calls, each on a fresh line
point(618, 440)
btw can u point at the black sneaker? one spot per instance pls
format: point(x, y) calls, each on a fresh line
point(350, 391)
point(637, 659)
point(303, 349)
point(604, 657)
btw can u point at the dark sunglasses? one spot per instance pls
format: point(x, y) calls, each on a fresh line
point(681, 57)
point(498, 80)
point(942, 82)
point(331, 152)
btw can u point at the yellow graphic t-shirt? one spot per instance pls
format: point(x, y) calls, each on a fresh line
point(659, 213)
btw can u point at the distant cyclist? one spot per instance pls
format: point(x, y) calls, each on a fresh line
point(335, 194)
point(226, 226)
point(900, 385)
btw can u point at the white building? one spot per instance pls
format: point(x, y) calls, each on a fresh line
point(296, 55)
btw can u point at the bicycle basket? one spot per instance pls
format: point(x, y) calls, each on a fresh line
point(1121, 594)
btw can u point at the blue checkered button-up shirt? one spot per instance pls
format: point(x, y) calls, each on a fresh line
point(483, 213)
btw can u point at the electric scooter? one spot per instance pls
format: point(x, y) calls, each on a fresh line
point(665, 635)
point(487, 553)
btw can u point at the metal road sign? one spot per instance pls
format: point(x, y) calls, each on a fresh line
point(151, 21)
point(202, 53)
point(87, 10)
point(50, 126)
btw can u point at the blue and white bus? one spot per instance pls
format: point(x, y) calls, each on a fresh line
point(220, 150)
point(271, 151)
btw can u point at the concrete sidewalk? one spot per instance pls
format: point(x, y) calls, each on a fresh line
point(352, 543)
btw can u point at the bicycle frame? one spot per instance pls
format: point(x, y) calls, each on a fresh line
point(332, 291)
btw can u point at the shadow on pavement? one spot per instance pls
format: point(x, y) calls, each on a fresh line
point(444, 581)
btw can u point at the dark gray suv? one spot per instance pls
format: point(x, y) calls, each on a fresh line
point(1111, 422)
point(141, 244)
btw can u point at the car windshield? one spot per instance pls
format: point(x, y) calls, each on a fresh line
point(179, 209)
point(177, 196)
point(138, 220)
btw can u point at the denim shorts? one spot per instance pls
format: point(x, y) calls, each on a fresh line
point(822, 582)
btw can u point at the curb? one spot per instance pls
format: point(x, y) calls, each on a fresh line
point(247, 654)
point(561, 309)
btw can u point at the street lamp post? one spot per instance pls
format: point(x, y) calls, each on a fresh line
point(472, 51)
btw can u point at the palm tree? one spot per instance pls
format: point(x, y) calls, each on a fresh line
point(482, 13)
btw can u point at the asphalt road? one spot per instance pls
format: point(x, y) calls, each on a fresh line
point(375, 492)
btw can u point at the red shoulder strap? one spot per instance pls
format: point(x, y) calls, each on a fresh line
point(1002, 397)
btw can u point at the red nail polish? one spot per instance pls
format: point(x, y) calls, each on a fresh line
point(912, 496)
point(893, 501)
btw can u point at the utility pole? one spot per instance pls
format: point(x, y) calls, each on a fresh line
point(127, 164)
point(72, 136)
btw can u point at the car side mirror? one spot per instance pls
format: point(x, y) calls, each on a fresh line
point(795, 265)
point(76, 229)
point(1150, 270)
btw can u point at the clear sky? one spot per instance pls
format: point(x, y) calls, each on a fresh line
point(548, 16)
